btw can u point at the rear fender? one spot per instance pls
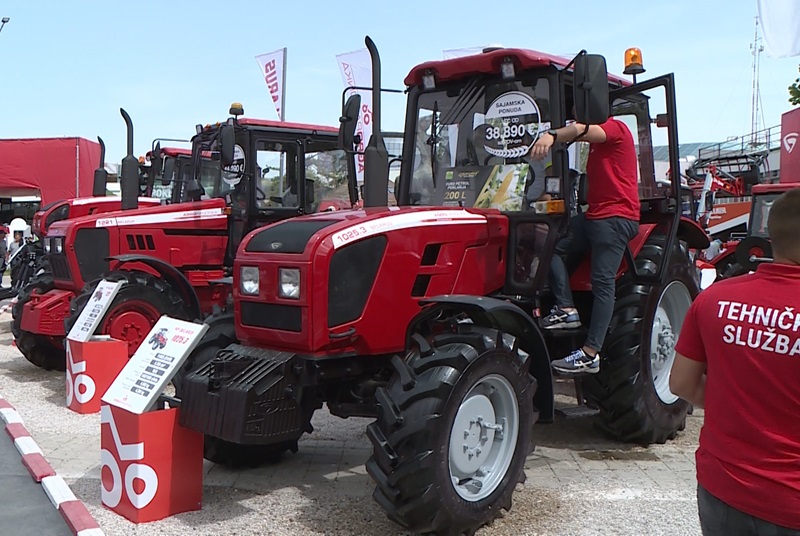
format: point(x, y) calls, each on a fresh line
point(693, 234)
point(506, 317)
point(172, 275)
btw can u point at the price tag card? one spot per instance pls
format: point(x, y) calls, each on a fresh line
point(155, 363)
point(94, 310)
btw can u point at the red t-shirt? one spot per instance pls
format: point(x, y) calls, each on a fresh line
point(612, 170)
point(747, 331)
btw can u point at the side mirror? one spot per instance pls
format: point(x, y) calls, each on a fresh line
point(591, 89)
point(169, 171)
point(156, 160)
point(227, 141)
point(348, 122)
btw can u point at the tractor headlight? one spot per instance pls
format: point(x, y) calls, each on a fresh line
point(289, 283)
point(47, 243)
point(249, 280)
point(58, 244)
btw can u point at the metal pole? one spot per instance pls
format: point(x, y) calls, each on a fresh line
point(77, 167)
point(283, 86)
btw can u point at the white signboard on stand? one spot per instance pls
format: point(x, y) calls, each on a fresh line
point(158, 359)
point(94, 310)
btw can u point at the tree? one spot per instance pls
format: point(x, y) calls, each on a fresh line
point(794, 92)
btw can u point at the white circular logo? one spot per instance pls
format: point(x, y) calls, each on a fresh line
point(234, 172)
point(512, 125)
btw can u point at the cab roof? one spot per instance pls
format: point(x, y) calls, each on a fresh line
point(287, 126)
point(489, 63)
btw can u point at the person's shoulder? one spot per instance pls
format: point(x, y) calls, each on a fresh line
point(615, 129)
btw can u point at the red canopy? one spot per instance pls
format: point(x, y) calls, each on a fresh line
point(48, 167)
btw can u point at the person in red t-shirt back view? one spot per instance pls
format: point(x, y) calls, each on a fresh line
point(738, 355)
point(610, 222)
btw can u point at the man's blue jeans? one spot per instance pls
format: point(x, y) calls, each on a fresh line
point(606, 239)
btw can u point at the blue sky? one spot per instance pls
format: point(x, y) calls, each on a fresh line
point(67, 67)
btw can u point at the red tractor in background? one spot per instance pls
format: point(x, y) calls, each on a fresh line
point(174, 259)
point(425, 316)
point(735, 257)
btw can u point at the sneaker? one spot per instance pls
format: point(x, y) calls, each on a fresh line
point(560, 319)
point(578, 362)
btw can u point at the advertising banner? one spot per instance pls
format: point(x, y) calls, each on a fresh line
point(273, 69)
point(779, 22)
point(356, 69)
point(790, 140)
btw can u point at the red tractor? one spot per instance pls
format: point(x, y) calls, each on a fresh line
point(425, 316)
point(737, 257)
point(176, 259)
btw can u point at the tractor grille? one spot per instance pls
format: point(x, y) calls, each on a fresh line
point(92, 250)
point(352, 274)
point(272, 316)
point(59, 266)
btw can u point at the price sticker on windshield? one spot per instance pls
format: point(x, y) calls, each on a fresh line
point(512, 125)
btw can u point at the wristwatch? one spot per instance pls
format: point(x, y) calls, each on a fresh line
point(554, 134)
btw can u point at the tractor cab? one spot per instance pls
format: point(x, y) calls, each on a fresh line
point(267, 171)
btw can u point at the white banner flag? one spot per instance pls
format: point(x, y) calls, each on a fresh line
point(780, 22)
point(356, 69)
point(273, 69)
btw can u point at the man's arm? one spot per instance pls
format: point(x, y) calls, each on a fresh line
point(687, 380)
point(566, 134)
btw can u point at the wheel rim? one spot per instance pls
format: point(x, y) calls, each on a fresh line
point(483, 438)
point(131, 321)
point(672, 306)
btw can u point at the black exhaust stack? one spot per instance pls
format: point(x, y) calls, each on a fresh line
point(129, 172)
point(100, 174)
point(376, 159)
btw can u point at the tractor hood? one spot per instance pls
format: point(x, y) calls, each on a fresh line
point(332, 230)
point(153, 215)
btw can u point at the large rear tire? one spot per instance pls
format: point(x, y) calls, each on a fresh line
point(632, 388)
point(42, 350)
point(138, 305)
point(453, 431)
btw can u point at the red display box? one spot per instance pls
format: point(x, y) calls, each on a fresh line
point(91, 368)
point(151, 467)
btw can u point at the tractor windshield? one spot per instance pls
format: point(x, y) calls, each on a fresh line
point(759, 214)
point(472, 145)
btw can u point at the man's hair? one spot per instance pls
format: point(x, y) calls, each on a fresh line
point(783, 225)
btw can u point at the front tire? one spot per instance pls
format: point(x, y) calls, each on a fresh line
point(632, 388)
point(453, 432)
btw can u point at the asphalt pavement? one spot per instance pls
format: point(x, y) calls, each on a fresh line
point(25, 509)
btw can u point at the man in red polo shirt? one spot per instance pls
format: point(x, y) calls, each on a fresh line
point(738, 355)
point(610, 222)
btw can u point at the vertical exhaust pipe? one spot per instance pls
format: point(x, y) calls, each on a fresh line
point(129, 172)
point(376, 159)
point(100, 174)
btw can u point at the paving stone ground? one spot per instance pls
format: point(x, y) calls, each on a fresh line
point(578, 482)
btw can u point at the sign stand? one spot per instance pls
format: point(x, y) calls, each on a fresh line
point(151, 467)
point(93, 361)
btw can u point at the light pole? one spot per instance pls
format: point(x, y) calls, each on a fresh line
point(3, 22)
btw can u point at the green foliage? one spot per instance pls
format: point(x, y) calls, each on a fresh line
point(794, 92)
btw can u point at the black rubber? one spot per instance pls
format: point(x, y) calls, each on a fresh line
point(42, 350)
point(630, 409)
point(410, 438)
